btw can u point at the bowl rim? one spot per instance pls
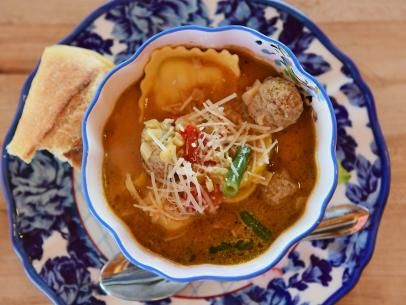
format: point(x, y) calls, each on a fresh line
point(289, 244)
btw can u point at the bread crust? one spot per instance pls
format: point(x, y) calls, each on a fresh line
point(59, 95)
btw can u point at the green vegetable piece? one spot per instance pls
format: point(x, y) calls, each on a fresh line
point(258, 228)
point(233, 179)
point(244, 244)
point(343, 175)
point(221, 247)
point(239, 245)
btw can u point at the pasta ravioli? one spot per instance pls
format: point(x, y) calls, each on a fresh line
point(173, 73)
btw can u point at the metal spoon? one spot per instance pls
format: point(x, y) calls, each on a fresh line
point(340, 220)
point(123, 280)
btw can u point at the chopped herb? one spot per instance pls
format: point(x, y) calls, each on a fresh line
point(257, 227)
point(244, 244)
point(240, 245)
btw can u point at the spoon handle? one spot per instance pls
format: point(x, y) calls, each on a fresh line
point(340, 220)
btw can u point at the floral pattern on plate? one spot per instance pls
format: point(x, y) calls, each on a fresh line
point(60, 248)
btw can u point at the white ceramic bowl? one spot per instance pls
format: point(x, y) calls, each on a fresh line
point(129, 72)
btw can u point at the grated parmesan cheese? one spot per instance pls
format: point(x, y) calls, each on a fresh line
point(181, 188)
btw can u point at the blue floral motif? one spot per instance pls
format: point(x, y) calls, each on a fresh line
point(296, 301)
point(346, 144)
point(93, 41)
point(247, 13)
point(294, 262)
point(257, 294)
point(43, 194)
point(136, 21)
point(346, 252)
point(298, 40)
point(336, 249)
point(354, 94)
point(322, 243)
point(377, 165)
point(295, 282)
point(345, 69)
point(40, 190)
point(32, 243)
point(276, 293)
point(317, 272)
point(351, 90)
point(355, 252)
point(367, 176)
point(80, 246)
point(70, 279)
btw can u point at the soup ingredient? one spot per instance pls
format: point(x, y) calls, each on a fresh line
point(280, 187)
point(276, 103)
point(227, 246)
point(236, 171)
point(257, 227)
point(60, 92)
point(191, 137)
point(173, 74)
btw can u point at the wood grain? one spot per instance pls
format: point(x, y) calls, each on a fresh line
point(371, 32)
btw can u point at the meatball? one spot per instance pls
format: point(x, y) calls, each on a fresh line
point(279, 188)
point(275, 103)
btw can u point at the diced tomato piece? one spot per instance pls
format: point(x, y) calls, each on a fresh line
point(191, 136)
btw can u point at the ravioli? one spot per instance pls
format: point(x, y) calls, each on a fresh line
point(171, 75)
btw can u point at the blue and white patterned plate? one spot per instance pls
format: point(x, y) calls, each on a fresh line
point(63, 248)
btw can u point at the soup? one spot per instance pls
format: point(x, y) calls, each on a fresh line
point(206, 173)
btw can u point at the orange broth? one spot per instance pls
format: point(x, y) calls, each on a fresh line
point(295, 154)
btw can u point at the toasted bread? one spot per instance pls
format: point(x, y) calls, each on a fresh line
point(60, 92)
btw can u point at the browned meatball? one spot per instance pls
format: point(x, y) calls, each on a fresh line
point(275, 103)
point(280, 187)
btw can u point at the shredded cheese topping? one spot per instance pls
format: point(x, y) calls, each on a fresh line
point(181, 188)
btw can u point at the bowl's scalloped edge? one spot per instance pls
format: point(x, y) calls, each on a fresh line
point(163, 271)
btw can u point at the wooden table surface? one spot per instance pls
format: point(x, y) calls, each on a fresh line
point(371, 32)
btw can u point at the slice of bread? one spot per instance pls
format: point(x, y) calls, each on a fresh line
point(60, 92)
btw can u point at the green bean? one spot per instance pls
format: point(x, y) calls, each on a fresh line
point(244, 244)
point(221, 247)
point(233, 179)
point(258, 228)
point(240, 245)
